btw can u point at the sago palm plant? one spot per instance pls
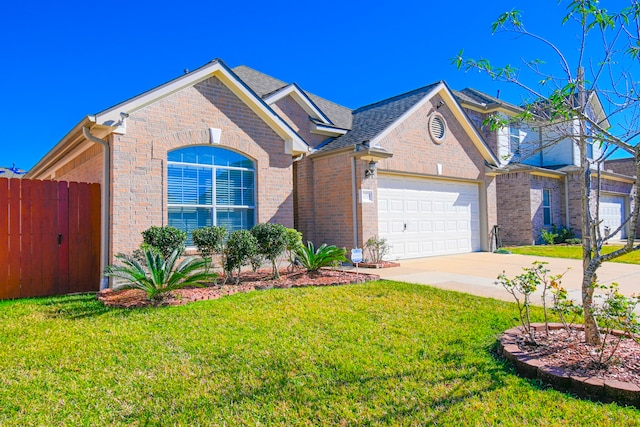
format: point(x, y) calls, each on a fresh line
point(314, 259)
point(161, 275)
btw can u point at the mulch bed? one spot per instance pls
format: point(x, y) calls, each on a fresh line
point(563, 361)
point(134, 298)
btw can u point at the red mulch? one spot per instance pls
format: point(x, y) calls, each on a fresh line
point(133, 298)
point(569, 352)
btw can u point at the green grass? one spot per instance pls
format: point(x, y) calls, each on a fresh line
point(383, 353)
point(574, 252)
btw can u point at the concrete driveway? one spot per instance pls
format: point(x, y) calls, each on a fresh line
point(475, 273)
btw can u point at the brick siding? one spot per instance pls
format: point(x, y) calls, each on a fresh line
point(514, 208)
point(298, 119)
point(621, 166)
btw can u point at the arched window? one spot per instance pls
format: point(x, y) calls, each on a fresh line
point(210, 186)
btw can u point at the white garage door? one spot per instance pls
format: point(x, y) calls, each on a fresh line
point(612, 214)
point(427, 217)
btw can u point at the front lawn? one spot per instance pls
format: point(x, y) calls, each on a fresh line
point(574, 252)
point(382, 353)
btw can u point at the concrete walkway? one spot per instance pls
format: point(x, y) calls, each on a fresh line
point(475, 273)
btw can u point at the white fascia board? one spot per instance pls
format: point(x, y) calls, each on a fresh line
point(301, 98)
point(319, 129)
point(293, 143)
point(457, 111)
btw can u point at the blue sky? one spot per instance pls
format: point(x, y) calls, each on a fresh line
point(63, 60)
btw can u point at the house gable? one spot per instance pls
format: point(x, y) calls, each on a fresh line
point(116, 116)
point(298, 118)
point(415, 151)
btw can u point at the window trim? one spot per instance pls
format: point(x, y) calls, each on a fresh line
point(214, 168)
point(547, 207)
point(513, 135)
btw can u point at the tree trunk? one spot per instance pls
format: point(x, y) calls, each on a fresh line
point(592, 336)
point(589, 280)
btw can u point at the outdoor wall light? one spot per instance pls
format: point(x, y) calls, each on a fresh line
point(371, 170)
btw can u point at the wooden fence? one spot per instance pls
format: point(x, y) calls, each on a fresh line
point(49, 238)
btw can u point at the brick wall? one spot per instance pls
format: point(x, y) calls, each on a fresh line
point(333, 207)
point(415, 152)
point(298, 119)
point(621, 166)
point(538, 184)
point(84, 167)
point(490, 136)
point(303, 199)
point(179, 120)
point(514, 208)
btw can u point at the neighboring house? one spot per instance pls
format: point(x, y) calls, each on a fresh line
point(218, 146)
point(541, 184)
point(12, 172)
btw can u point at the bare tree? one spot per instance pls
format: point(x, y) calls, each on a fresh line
point(608, 50)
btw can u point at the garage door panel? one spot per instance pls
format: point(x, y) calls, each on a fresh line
point(612, 214)
point(423, 217)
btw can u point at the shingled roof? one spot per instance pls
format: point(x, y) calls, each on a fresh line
point(480, 99)
point(264, 85)
point(370, 120)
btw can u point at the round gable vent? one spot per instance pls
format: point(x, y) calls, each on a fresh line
point(437, 128)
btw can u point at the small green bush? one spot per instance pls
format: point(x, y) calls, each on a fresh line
point(209, 241)
point(271, 241)
point(548, 236)
point(564, 234)
point(165, 239)
point(241, 247)
point(502, 251)
point(377, 248)
point(294, 241)
point(574, 241)
point(162, 275)
point(324, 256)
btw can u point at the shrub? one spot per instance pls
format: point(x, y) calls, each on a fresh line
point(294, 241)
point(378, 248)
point(324, 256)
point(165, 239)
point(564, 234)
point(616, 312)
point(523, 286)
point(574, 241)
point(271, 241)
point(241, 247)
point(162, 275)
point(209, 241)
point(548, 236)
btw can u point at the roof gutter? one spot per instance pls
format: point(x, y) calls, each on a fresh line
point(106, 203)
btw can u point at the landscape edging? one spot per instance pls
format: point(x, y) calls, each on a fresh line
point(588, 387)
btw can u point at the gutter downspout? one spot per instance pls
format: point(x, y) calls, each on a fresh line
point(566, 202)
point(106, 199)
point(354, 194)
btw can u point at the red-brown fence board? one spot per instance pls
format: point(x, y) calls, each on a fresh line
point(4, 236)
point(26, 239)
point(63, 236)
point(37, 212)
point(49, 238)
point(49, 245)
point(94, 234)
point(13, 284)
point(75, 237)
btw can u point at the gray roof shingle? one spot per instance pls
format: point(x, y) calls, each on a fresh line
point(263, 85)
point(481, 99)
point(370, 120)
